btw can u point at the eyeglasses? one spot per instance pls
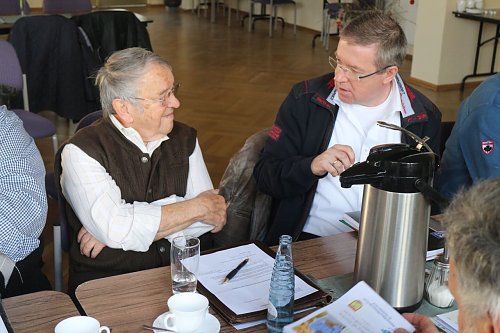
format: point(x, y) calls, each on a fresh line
point(164, 98)
point(349, 72)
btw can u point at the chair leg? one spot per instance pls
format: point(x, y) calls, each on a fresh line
point(250, 13)
point(57, 258)
point(271, 15)
point(55, 143)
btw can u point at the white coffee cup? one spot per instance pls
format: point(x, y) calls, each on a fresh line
point(187, 312)
point(80, 324)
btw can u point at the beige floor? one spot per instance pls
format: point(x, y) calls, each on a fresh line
point(232, 83)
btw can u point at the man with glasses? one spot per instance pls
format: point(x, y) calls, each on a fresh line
point(135, 178)
point(328, 123)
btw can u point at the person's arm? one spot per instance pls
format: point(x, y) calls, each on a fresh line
point(281, 170)
point(23, 200)
point(96, 200)
point(202, 202)
point(481, 151)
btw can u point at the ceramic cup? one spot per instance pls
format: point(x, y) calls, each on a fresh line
point(80, 324)
point(187, 312)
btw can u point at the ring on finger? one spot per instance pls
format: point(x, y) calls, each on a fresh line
point(336, 162)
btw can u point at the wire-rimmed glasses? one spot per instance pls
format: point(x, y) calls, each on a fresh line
point(349, 72)
point(164, 98)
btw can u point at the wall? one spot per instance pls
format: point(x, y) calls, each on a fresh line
point(445, 46)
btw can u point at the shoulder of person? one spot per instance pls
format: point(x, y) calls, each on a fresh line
point(313, 85)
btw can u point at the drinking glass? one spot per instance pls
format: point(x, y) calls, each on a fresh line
point(184, 260)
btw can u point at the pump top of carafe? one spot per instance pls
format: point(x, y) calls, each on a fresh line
point(420, 142)
point(394, 166)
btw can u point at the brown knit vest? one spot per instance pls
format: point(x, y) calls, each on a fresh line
point(140, 178)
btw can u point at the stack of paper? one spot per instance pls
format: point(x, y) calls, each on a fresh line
point(448, 322)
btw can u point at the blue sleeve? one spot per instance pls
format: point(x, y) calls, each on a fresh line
point(480, 145)
point(23, 200)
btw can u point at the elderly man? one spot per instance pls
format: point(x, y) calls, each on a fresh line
point(328, 123)
point(473, 236)
point(137, 176)
point(23, 209)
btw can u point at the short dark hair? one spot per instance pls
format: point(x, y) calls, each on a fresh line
point(375, 27)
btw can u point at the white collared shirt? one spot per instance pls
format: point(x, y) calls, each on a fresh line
point(355, 126)
point(97, 200)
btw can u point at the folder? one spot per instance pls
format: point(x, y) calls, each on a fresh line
point(318, 298)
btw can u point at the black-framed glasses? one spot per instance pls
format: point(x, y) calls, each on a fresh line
point(164, 98)
point(349, 72)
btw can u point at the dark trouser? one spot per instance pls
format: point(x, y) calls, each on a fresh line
point(27, 276)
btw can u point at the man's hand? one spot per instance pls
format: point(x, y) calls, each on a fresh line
point(213, 208)
point(422, 323)
point(333, 160)
point(89, 245)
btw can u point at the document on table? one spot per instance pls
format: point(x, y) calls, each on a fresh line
point(248, 290)
point(359, 310)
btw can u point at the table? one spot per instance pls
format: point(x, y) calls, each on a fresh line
point(38, 312)
point(126, 302)
point(481, 18)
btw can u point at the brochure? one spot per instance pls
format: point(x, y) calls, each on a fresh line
point(360, 310)
point(448, 322)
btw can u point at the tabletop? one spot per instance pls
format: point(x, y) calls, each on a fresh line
point(38, 312)
point(126, 302)
point(490, 18)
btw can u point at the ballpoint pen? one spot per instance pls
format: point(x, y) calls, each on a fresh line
point(231, 274)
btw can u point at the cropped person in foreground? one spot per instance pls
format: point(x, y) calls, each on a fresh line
point(472, 224)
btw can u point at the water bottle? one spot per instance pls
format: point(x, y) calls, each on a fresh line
point(282, 289)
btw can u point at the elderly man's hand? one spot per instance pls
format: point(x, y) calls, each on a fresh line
point(89, 245)
point(213, 208)
point(333, 160)
point(422, 323)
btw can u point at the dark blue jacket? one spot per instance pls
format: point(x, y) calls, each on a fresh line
point(302, 130)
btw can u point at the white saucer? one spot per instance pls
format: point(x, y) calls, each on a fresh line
point(211, 324)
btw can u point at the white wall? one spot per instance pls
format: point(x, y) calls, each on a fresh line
point(445, 45)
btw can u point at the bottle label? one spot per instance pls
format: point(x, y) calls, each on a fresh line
point(272, 313)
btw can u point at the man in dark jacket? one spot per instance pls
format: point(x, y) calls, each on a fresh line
point(328, 123)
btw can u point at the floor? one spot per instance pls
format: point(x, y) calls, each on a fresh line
point(232, 84)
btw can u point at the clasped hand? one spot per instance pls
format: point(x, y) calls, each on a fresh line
point(334, 160)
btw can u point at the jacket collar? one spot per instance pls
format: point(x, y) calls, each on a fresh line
point(413, 110)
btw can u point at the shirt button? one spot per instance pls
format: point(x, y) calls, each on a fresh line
point(144, 159)
point(162, 249)
point(150, 191)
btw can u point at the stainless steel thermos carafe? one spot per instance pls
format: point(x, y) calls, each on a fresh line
point(394, 224)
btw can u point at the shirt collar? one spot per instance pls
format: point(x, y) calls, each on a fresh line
point(401, 104)
point(133, 136)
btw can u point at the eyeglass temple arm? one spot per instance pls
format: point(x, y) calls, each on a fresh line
point(420, 142)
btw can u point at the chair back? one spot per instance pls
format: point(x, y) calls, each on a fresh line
point(113, 30)
point(248, 213)
point(63, 217)
point(10, 72)
point(66, 6)
point(12, 7)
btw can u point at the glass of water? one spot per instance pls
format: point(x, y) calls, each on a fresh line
point(184, 260)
